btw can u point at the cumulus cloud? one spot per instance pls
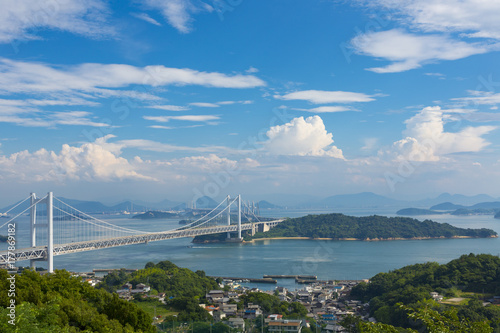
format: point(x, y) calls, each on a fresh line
point(409, 51)
point(89, 162)
point(22, 18)
point(324, 97)
point(426, 140)
point(302, 137)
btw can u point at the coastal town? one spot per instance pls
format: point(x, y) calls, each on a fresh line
point(327, 303)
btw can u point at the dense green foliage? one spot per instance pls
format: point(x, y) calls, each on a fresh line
point(412, 284)
point(163, 277)
point(61, 303)
point(338, 226)
point(182, 287)
point(434, 321)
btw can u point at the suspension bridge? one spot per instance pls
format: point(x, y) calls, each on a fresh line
point(65, 229)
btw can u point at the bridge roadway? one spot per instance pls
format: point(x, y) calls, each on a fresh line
point(40, 252)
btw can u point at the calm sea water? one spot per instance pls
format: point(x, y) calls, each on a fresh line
point(326, 259)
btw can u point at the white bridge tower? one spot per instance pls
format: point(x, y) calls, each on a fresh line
point(48, 201)
point(228, 204)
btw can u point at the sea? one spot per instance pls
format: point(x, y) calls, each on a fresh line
point(327, 259)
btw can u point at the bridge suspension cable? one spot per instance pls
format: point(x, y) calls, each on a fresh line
point(21, 213)
point(251, 211)
point(210, 219)
point(19, 203)
point(113, 226)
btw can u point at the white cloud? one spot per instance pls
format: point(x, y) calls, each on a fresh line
point(147, 18)
point(409, 51)
point(426, 140)
point(205, 105)
point(178, 13)
point(252, 70)
point(33, 118)
point(103, 79)
point(164, 119)
point(160, 147)
point(327, 109)
point(218, 104)
point(22, 18)
point(480, 98)
point(303, 137)
point(234, 102)
point(474, 18)
point(169, 107)
point(89, 162)
point(370, 144)
point(173, 127)
point(324, 97)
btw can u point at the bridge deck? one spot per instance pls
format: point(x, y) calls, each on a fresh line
point(40, 252)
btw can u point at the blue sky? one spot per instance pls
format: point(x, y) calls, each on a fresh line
point(180, 98)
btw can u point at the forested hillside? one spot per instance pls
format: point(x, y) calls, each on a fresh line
point(61, 303)
point(479, 275)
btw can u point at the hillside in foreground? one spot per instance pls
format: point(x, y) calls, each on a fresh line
point(339, 226)
point(465, 283)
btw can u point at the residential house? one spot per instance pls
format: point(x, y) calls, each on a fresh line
point(237, 323)
point(285, 326)
point(332, 328)
point(252, 311)
point(216, 296)
point(229, 309)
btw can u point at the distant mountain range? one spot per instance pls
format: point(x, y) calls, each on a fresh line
point(81, 205)
point(443, 203)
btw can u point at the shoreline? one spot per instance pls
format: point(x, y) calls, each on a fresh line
point(365, 239)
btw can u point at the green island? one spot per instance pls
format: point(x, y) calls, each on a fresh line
point(344, 227)
point(155, 215)
point(340, 226)
point(418, 211)
point(455, 297)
